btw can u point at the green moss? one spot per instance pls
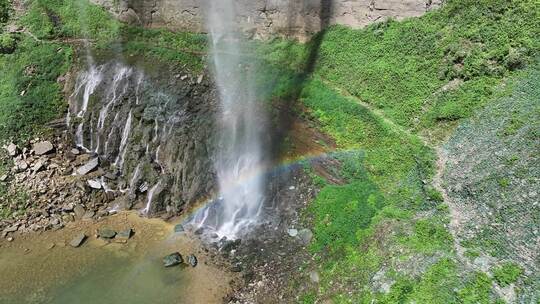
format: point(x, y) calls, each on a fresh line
point(48, 19)
point(340, 212)
point(437, 285)
point(180, 48)
point(428, 237)
point(507, 274)
point(476, 291)
point(29, 92)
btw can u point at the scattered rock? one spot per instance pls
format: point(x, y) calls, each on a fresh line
point(12, 149)
point(50, 246)
point(88, 215)
point(305, 236)
point(78, 240)
point(42, 148)
point(38, 165)
point(10, 239)
point(192, 260)
point(75, 151)
point(173, 260)
point(21, 165)
point(88, 167)
point(106, 233)
point(94, 184)
point(292, 232)
point(314, 277)
point(3, 178)
point(79, 211)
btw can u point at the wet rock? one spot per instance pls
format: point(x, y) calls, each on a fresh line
point(173, 260)
point(94, 184)
point(106, 233)
point(236, 268)
point(229, 245)
point(121, 203)
point(305, 236)
point(78, 240)
point(88, 167)
point(42, 148)
point(192, 260)
point(12, 149)
point(124, 235)
point(178, 228)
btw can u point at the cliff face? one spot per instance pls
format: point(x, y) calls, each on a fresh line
point(265, 18)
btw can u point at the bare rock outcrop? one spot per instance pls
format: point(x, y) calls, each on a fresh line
point(267, 18)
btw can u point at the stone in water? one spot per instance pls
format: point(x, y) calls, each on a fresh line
point(173, 260)
point(78, 240)
point(106, 233)
point(124, 235)
point(178, 228)
point(192, 260)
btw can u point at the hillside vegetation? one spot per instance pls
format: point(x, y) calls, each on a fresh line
point(390, 95)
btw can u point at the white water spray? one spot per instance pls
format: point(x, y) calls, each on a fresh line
point(239, 160)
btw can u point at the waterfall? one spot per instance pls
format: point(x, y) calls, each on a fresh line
point(239, 161)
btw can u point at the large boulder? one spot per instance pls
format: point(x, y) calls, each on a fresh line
point(43, 147)
point(88, 167)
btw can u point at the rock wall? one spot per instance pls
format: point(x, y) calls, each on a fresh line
point(151, 128)
point(266, 18)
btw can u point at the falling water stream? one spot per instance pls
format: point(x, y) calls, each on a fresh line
point(241, 126)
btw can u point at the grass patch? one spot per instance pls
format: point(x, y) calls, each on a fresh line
point(507, 274)
point(29, 92)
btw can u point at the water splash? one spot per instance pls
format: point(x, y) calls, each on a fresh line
point(240, 125)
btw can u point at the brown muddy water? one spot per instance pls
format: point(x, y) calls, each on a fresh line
point(44, 268)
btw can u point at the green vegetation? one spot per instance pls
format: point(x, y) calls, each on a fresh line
point(507, 274)
point(29, 91)
point(426, 75)
point(5, 7)
point(62, 19)
point(428, 71)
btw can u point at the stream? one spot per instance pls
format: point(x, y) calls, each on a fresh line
point(44, 268)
